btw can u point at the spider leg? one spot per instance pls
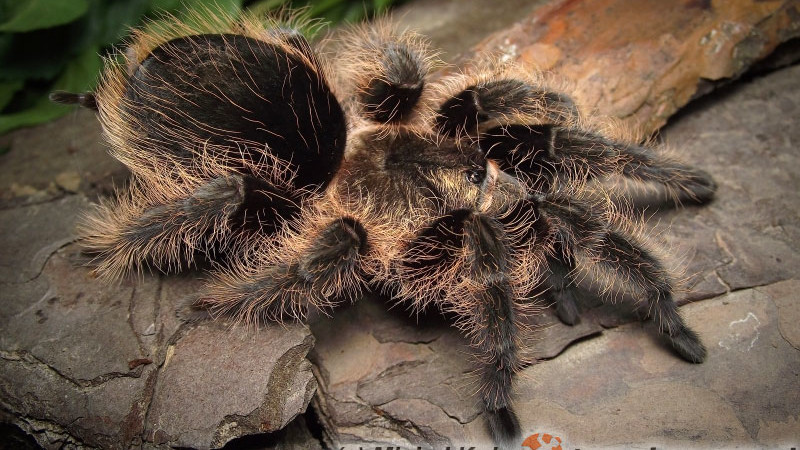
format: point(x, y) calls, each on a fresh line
point(464, 113)
point(283, 281)
point(620, 253)
point(434, 255)
point(578, 229)
point(85, 99)
point(167, 230)
point(468, 256)
point(547, 153)
point(491, 314)
point(562, 286)
point(385, 71)
point(532, 132)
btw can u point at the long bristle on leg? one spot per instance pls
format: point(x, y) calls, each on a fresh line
point(385, 71)
point(271, 286)
point(165, 230)
point(490, 318)
point(585, 233)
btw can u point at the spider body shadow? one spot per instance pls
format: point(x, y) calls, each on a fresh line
point(307, 180)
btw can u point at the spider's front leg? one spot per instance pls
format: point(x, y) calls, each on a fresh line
point(536, 133)
point(581, 232)
point(285, 280)
point(467, 254)
point(167, 228)
point(548, 153)
point(464, 113)
point(491, 315)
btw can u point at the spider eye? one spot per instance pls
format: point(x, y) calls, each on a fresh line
point(475, 175)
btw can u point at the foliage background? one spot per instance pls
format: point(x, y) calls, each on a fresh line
point(48, 45)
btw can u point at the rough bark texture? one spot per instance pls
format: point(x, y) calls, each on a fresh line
point(641, 60)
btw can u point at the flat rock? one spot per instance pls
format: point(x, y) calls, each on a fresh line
point(55, 159)
point(84, 362)
point(239, 382)
point(390, 379)
point(638, 394)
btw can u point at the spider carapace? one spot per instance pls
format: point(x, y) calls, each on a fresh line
point(307, 178)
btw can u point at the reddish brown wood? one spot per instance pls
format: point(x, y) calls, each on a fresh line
point(641, 60)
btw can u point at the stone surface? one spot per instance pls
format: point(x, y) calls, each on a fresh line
point(638, 394)
point(61, 157)
point(641, 60)
point(85, 363)
point(237, 384)
point(742, 250)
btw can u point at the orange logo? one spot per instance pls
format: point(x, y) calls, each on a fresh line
point(543, 441)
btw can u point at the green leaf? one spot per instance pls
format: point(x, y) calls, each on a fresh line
point(81, 73)
point(43, 54)
point(7, 91)
point(381, 5)
point(232, 7)
point(21, 16)
point(159, 6)
point(79, 76)
point(181, 7)
point(355, 12)
point(107, 22)
point(321, 8)
point(263, 7)
point(42, 111)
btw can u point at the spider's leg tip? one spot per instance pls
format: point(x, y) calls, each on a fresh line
point(192, 309)
point(709, 186)
point(504, 426)
point(687, 344)
point(567, 309)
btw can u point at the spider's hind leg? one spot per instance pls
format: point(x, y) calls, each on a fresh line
point(167, 228)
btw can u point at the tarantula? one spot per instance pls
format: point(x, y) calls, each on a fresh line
point(305, 180)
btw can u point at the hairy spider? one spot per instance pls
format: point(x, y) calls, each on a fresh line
point(306, 179)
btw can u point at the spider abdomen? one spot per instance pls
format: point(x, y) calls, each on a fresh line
point(237, 100)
